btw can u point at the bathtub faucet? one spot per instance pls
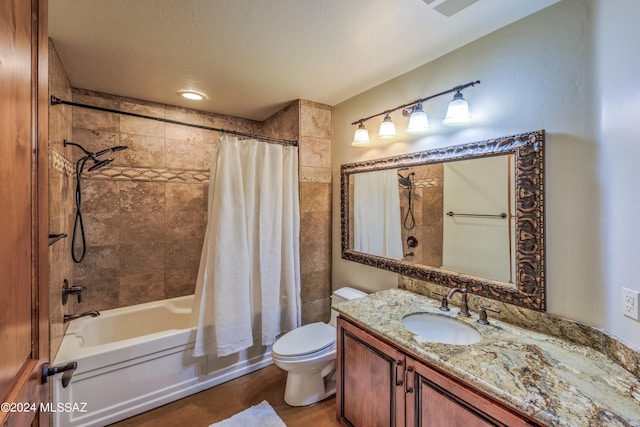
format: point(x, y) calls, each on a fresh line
point(69, 317)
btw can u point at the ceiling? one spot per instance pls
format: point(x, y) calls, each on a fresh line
point(252, 57)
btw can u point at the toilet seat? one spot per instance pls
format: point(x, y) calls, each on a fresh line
point(308, 339)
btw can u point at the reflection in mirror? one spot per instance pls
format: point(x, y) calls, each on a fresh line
point(457, 216)
point(376, 214)
point(470, 215)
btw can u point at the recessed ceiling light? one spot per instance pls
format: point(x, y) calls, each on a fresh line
point(192, 94)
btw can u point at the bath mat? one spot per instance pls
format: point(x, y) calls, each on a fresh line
point(261, 415)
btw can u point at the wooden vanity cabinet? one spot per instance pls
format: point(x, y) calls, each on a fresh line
point(379, 385)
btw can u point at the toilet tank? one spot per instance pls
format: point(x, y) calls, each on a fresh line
point(343, 294)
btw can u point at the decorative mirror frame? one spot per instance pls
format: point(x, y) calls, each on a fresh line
point(528, 151)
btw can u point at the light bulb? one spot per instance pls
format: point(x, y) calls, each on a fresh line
point(192, 95)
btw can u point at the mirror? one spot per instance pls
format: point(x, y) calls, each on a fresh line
point(469, 215)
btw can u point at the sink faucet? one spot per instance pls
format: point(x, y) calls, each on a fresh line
point(69, 317)
point(464, 307)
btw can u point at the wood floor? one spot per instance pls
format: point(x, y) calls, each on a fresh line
point(225, 400)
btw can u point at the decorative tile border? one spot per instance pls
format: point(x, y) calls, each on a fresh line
point(424, 183)
point(127, 173)
point(59, 163)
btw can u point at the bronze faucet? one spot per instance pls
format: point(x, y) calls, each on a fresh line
point(69, 317)
point(464, 306)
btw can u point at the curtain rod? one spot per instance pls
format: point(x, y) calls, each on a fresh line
point(58, 101)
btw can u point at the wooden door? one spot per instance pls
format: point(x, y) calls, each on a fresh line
point(369, 382)
point(435, 399)
point(24, 321)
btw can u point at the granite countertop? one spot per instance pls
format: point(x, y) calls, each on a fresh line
point(554, 381)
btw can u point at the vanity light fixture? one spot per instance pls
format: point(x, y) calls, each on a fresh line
point(387, 128)
point(192, 95)
point(457, 115)
point(361, 137)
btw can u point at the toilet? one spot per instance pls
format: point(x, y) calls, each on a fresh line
point(308, 354)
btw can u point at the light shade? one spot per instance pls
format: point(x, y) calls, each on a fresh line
point(361, 137)
point(418, 121)
point(387, 128)
point(458, 112)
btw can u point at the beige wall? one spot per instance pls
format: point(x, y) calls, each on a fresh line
point(565, 69)
point(537, 73)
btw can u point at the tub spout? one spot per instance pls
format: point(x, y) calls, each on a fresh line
point(69, 317)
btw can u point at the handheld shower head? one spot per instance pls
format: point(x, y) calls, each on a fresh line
point(99, 163)
point(109, 150)
point(78, 225)
point(94, 156)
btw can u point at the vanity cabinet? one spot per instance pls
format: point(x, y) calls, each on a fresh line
point(380, 385)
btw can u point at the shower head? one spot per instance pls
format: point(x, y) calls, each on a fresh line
point(99, 163)
point(87, 152)
point(405, 181)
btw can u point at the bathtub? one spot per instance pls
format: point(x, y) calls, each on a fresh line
point(137, 358)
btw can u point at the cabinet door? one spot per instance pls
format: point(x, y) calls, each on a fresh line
point(434, 399)
point(370, 391)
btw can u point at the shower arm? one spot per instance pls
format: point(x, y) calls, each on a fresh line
point(88, 153)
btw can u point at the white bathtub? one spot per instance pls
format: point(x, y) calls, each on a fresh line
point(136, 358)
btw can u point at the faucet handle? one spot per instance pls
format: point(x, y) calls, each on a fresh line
point(483, 314)
point(444, 304)
point(78, 290)
point(71, 290)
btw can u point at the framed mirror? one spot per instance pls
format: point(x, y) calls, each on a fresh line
point(470, 215)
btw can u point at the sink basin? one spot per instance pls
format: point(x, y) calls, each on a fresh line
point(440, 329)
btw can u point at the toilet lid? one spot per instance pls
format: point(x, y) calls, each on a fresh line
point(306, 339)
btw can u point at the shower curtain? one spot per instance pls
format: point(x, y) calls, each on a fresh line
point(376, 214)
point(248, 287)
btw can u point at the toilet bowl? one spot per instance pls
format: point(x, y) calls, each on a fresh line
point(308, 354)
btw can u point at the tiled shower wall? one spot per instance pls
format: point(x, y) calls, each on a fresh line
point(315, 210)
point(427, 201)
point(61, 188)
point(310, 123)
point(145, 213)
